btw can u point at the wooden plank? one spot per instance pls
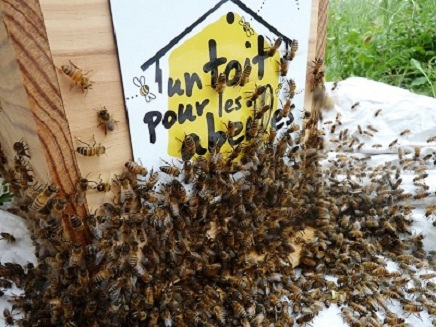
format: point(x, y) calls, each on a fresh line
point(321, 35)
point(31, 100)
point(311, 53)
point(81, 31)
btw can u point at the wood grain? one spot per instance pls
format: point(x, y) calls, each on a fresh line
point(81, 31)
point(32, 103)
point(312, 51)
point(321, 35)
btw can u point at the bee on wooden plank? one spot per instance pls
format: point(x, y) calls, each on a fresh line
point(21, 148)
point(91, 150)
point(106, 120)
point(78, 76)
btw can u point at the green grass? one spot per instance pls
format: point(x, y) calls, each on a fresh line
point(391, 41)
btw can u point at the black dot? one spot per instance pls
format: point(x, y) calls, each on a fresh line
point(248, 44)
point(230, 18)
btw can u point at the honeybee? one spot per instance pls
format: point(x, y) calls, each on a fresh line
point(135, 168)
point(335, 85)
point(430, 210)
point(246, 27)
point(420, 176)
point(238, 309)
point(368, 133)
point(255, 95)
point(76, 223)
point(317, 64)
point(81, 188)
point(102, 186)
point(305, 318)
point(220, 83)
point(9, 320)
point(252, 127)
point(292, 87)
point(372, 128)
point(405, 132)
point(355, 105)
point(431, 139)
point(144, 89)
point(77, 75)
point(421, 195)
point(21, 148)
point(413, 309)
point(220, 314)
point(284, 66)
point(272, 135)
point(232, 127)
point(107, 120)
point(7, 237)
point(285, 111)
point(393, 143)
point(245, 76)
point(273, 49)
point(153, 179)
point(77, 255)
point(417, 152)
point(189, 145)
point(179, 191)
point(90, 151)
point(101, 275)
point(170, 169)
point(43, 197)
point(294, 48)
point(188, 172)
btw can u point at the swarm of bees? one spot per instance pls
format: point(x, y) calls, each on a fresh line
point(211, 245)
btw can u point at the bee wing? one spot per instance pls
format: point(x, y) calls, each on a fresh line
point(242, 21)
point(137, 82)
point(250, 31)
point(150, 96)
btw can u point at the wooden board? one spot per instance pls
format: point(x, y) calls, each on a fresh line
point(30, 96)
point(81, 31)
point(317, 40)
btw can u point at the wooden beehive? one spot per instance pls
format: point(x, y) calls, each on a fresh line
point(36, 38)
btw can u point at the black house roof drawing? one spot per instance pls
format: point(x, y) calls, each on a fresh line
point(202, 18)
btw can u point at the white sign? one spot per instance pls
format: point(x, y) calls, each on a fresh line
point(172, 52)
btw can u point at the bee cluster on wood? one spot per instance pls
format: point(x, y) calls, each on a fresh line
point(211, 247)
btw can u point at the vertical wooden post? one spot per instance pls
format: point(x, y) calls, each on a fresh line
point(31, 99)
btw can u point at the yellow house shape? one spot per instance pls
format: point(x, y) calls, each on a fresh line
point(194, 105)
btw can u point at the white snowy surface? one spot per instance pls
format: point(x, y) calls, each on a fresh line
point(401, 110)
point(21, 252)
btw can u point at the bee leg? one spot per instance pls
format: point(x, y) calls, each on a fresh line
point(83, 142)
point(74, 65)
